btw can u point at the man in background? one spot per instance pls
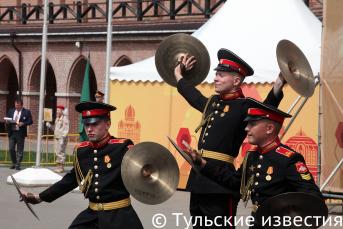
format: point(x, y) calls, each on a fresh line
point(61, 130)
point(99, 96)
point(17, 131)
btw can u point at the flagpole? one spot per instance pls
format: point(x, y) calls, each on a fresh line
point(38, 175)
point(42, 83)
point(108, 49)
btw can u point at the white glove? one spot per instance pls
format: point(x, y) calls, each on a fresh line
point(48, 124)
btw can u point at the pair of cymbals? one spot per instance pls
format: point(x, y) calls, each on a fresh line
point(174, 46)
point(295, 68)
point(150, 173)
point(293, 204)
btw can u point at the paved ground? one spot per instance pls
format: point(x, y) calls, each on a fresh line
point(59, 214)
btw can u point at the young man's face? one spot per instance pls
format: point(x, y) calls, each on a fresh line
point(98, 130)
point(225, 82)
point(258, 131)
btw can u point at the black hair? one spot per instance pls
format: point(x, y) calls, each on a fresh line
point(18, 100)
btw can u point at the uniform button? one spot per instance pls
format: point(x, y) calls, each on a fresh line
point(206, 134)
point(218, 104)
point(96, 190)
point(95, 159)
point(258, 166)
point(209, 126)
point(261, 157)
point(98, 197)
point(257, 194)
point(96, 175)
point(216, 112)
point(95, 151)
point(96, 183)
point(252, 190)
point(256, 203)
point(95, 167)
point(256, 183)
point(203, 141)
point(212, 119)
point(257, 174)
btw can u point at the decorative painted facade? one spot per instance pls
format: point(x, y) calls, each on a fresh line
point(308, 148)
point(129, 128)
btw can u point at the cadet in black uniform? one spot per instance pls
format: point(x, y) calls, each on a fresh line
point(222, 128)
point(270, 168)
point(97, 172)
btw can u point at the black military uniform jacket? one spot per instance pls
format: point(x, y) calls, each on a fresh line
point(100, 181)
point(223, 129)
point(265, 173)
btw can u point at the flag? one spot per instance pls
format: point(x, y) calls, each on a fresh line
point(85, 96)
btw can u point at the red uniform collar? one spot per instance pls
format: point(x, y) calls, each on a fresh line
point(102, 142)
point(232, 95)
point(269, 146)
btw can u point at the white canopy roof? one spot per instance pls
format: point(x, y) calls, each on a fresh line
point(252, 30)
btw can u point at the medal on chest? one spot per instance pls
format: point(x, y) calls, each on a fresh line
point(107, 161)
point(225, 110)
point(270, 171)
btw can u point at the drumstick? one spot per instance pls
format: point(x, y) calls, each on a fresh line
point(189, 148)
point(187, 145)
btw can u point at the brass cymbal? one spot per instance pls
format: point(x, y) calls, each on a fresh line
point(293, 204)
point(150, 173)
point(172, 48)
point(295, 68)
point(184, 155)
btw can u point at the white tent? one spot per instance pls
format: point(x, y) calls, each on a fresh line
point(251, 29)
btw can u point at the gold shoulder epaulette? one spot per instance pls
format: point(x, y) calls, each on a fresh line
point(284, 151)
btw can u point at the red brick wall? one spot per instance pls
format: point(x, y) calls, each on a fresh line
point(64, 58)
